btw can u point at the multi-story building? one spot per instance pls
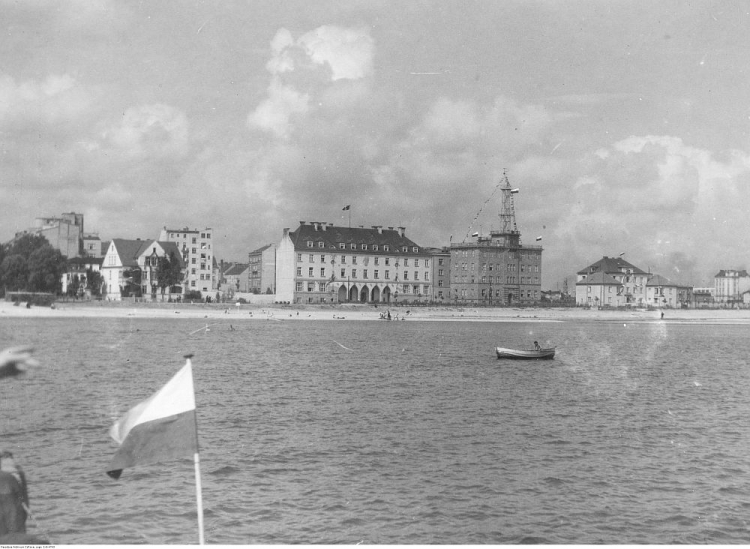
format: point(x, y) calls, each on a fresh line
point(497, 269)
point(612, 281)
point(262, 271)
point(197, 254)
point(234, 278)
point(729, 285)
point(703, 297)
point(64, 233)
point(130, 267)
point(321, 263)
point(441, 274)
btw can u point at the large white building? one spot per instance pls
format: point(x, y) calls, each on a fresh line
point(129, 267)
point(730, 285)
point(321, 263)
point(196, 247)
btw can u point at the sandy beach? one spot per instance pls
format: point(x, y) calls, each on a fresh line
point(364, 312)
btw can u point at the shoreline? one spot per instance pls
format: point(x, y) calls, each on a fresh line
point(103, 309)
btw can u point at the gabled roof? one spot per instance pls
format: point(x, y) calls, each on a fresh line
point(599, 278)
point(262, 249)
point(611, 265)
point(236, 269)
point(333, 236)
point(130, 250)
point(658, 280)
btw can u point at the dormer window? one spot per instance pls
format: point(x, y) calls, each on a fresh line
point(309, 243)
point(353, 246)
point(321, 244)
point(415, 249)
point(405, 249)
point(342, 245)
point(375, 247)
point(364, 246)
point(386, 248)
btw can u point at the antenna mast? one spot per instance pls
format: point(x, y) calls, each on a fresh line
point(508, 234)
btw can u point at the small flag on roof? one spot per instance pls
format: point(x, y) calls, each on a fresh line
point(347, 207)
point(475, 234)
point(538, 238)
point(514, 191)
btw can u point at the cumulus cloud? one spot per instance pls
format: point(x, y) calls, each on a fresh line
point(658, 198)
point(303, 70)
point(55, 100)
point(151, 130)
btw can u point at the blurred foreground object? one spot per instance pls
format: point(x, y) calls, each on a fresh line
point(16, 360)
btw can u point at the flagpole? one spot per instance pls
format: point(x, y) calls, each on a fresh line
point(199, 496)
point(197, 461)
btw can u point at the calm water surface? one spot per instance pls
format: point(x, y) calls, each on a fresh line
point(392, 432)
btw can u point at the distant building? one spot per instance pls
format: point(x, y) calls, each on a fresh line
point(612, 281)
point(64, 233)
point(729, 285)
point(703, 297)
point(195, 247)
point(497, 269)
point(79, 267)
point(441, 274)
point(321, 263)
point(234, 278)
point(93, 246)
point(262, 271)
point(129, 268)
point(662, 292)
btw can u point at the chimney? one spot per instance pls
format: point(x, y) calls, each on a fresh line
point(286, 233)
point(323, 226)
point(315, 224)
point(390, 228)
point(401, 231)
point(303, 222)
point(379, 228)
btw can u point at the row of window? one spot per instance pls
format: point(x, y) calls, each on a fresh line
point(373, 247)
point(508, 267)
point(531, 255)
point(417, 289)
point(498, 280)
point(365, 260)
point(365, 273)
point(529, 294)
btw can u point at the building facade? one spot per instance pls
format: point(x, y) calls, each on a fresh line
point(129, 268)
point(497, 269)
point(262, 270)
point(196, 249)
point(729, 285)
point(64, 233)
point(441, 274)
point(612, 281)
point(77, 270)
point(322, 263)
point(662, 292)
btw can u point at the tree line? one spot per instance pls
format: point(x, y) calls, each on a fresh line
point(31, 264)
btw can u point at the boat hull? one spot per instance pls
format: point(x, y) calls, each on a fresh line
point(525, 354)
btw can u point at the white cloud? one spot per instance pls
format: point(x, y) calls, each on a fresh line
point(152, 130)
point(304, 70)
point(56, 99)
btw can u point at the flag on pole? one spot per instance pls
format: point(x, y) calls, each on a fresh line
point(474, 234)
point(514, 191)
point(159, 428)
point(347, 207)
point(538, 238)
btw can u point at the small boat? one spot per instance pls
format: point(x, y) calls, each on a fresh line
point(526, 354)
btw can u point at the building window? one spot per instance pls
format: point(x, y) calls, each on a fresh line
point(310, 271)
point(299, 257)
point(299, 286)
point(354, 273)
point(387, 274)
point(309, 243)
point(376, 273)
point(322, 258)
point(343, 260)
point(299, 271)
point(354, 260)
point(387, 260)
point(342, 246)
point(364, 246)
point(353, 246)
point(415, 250)
point(386, 248)
point(364, 273)
point(320, 244)
point(375, 247)
point(322, 272)
point(343, 273)
point(406, 275)
point(416, 275)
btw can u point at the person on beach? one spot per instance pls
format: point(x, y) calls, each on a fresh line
point(537, 346)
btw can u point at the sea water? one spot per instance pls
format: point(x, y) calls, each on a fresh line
point(378, 432)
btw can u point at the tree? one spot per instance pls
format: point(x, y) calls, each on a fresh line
point(168, 272)
point(73, 286)
point(26, 244)
point(132, 282)
point(46, 267)
point(94, 281)
point(15, 272)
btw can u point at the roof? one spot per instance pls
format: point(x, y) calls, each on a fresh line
point(658, 280)
point(611, 265)
point(236, 269)
point(731, 273)
point(599, 278)
point(262, 249)
point(130, 250)
point(332, 236)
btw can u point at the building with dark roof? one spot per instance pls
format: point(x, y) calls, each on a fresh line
point(612, 281)
point(130, 266)
point(321, 263)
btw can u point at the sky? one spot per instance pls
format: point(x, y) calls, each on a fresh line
point(625, 124)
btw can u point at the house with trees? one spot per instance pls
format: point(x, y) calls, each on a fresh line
point(139, 268)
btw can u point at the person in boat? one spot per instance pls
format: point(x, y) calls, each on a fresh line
point(537, 347)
